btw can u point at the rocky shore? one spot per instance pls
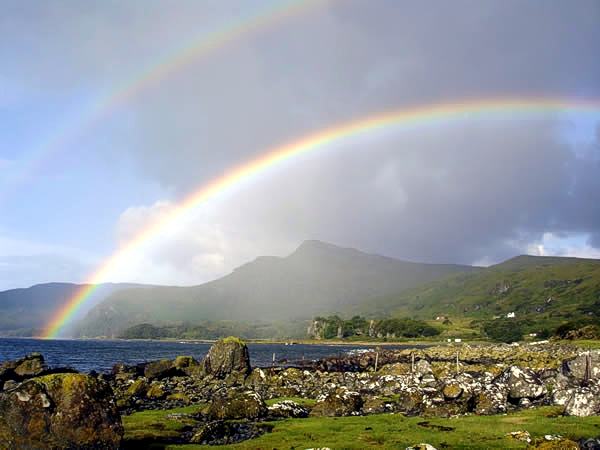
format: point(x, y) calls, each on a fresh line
point(442, 381)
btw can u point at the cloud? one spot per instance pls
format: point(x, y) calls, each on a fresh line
point(471, 190)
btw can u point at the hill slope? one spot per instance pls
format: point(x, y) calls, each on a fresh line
point(316, 278)
point(25, 311)
point(547, 290)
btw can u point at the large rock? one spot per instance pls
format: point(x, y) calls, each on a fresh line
point(23, 368)
point(584, 366)
point(340, 402)
point(60, 411)
point(159, 369)
point(584, 402)
point(522, 383)
point(226, 356)
point(237, 405)
point(287, 409)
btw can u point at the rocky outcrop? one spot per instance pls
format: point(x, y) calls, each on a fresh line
point(60, 411)
point(226, 356)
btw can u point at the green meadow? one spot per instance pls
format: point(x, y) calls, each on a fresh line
point(151, 429)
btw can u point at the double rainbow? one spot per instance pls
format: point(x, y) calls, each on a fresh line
point(409, 118)
point(64, 137)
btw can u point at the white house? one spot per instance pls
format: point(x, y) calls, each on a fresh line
point(510, 315)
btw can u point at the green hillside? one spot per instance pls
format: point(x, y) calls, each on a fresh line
point(25, 311)
point(316, 278)
point(542, 293)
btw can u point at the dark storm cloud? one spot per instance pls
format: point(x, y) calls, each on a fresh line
point(459, 193)
point(455, 194)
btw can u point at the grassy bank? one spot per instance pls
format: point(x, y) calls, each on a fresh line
point(152, 428)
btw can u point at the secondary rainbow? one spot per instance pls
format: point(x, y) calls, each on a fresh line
point(409, 118)
point(64, 137)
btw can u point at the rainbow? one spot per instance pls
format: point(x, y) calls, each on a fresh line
point(408, 118)
point(64, 138)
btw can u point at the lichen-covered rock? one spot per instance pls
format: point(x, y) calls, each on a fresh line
point(421, 446)
point(237, 405)
point(220, 432)
point(519, 436)
point(378, 405)
point(550, 442)
point(452, 389)
point(522, 383)
point(138, 387)
point(584, 402)
point(288, 408)
point(60, 411)
point(155, 391)
point(491, 399)
point(226, 356)
point(209, 432)
point(339, 402)
point(584, 366)
point(410, 401)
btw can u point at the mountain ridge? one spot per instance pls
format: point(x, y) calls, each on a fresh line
point(315, 278)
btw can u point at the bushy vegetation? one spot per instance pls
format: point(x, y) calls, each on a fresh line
point(144, 331)
point(335, 327)
point(218, 329)
point(503, 330)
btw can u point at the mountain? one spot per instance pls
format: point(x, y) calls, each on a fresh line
point(318, 277)
point(545, 290)
point(25, 311)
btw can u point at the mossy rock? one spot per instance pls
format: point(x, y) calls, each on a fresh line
point(554, 444)
point(337, 403)
point(181, 362)
point(394, 369)
point(60, 411)
point(158, 369)
point(137, 388)
point(410, 402)
point(237, 405)
point(179, 396)
point(155, 392)
point(226, 356)
point(452, 390)
point(231, 340)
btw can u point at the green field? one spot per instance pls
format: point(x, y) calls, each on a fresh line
point(151, 429)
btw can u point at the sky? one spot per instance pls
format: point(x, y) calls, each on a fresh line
point(90, 155)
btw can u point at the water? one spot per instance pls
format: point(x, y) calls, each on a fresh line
point(87, 355)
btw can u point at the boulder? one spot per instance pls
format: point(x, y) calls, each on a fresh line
point(410, 401)
point(288, 409)
point(491, 399)
point(584, 402)
point(60, 411)
point(226, 356)
point(220, 432)
point(340, 402)
point(378, 405)
point(584, 366)
point(159, 369)
point(237, 405)
point(522, 383)
point(188, 365)
point(20, 369)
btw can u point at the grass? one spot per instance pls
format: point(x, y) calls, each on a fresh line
point(379, 431)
